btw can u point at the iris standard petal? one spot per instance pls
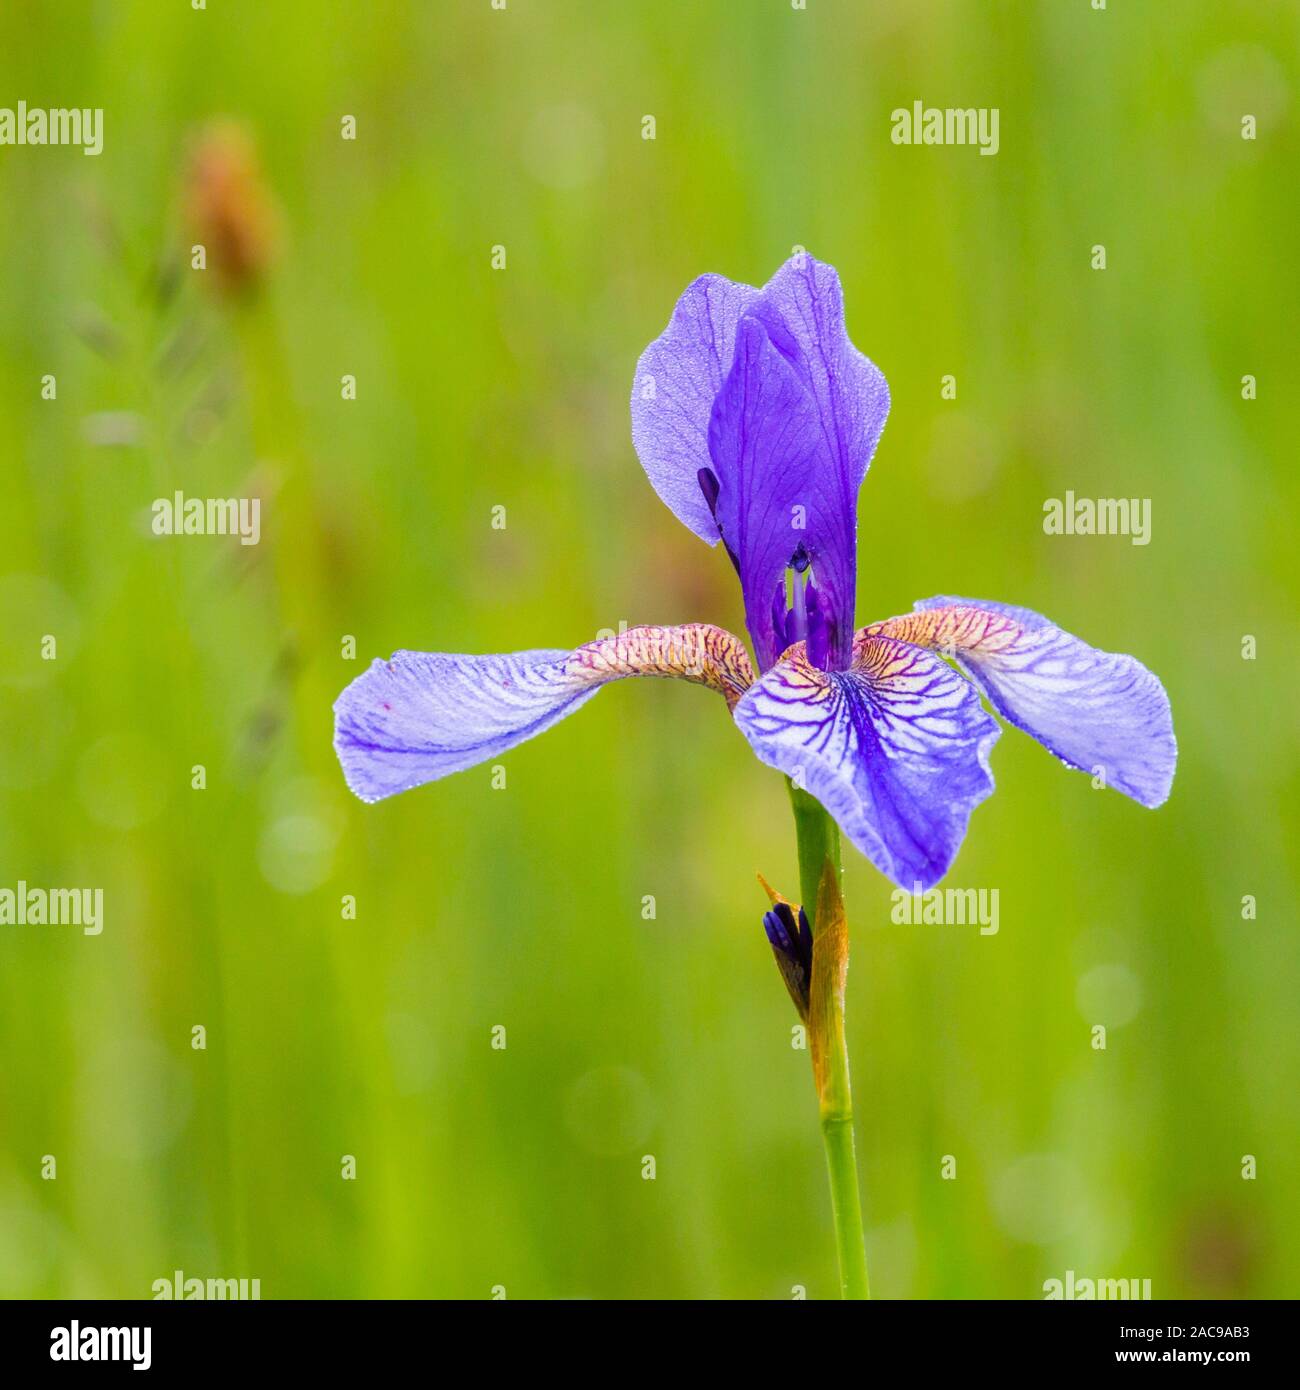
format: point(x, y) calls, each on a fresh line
point(802, 309)
point(1102, 712)
point(673, 391)
point(423, 715)
point(896, 748)
point(773, 489)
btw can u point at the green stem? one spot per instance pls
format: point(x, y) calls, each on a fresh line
point(818, 839)
point(846, 1207)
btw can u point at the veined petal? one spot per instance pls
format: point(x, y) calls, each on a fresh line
point(673, 390)
point(423, 715)
point(802, 309)
point(774, 490)
point(896, 748)
point(1097, 711)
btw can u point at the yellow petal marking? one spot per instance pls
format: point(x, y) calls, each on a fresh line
point(697, 652)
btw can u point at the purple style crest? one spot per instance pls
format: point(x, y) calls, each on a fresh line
point(756, 403)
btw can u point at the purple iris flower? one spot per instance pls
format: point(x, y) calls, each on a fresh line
point(755, 419)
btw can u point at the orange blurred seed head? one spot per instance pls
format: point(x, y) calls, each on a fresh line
point(229, 208)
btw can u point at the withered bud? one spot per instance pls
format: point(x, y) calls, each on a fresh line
point(791, 940)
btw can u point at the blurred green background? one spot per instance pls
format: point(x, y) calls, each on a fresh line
point(522, 908)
